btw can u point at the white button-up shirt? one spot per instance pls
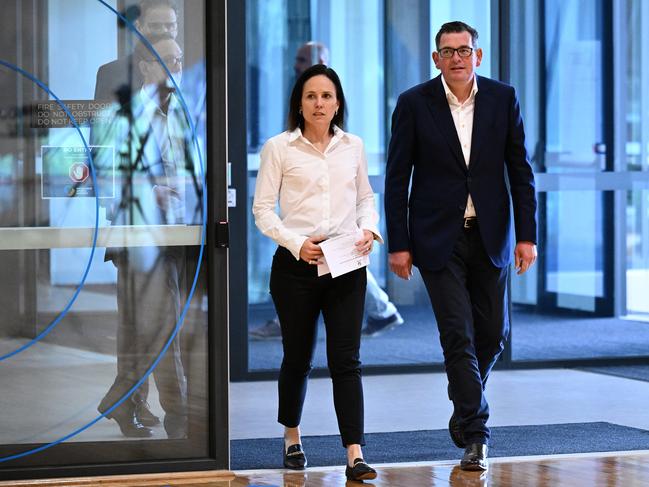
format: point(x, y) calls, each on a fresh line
point(319, 193)
point(161, 146)
point(463, 119)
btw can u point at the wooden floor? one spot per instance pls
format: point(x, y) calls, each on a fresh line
point(589, 470)
point(609, 471)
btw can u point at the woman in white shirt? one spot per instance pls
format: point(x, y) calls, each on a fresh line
point(318, 174)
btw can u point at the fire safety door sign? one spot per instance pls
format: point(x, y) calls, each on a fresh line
point(67, 172)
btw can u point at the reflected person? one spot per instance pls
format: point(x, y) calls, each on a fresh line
point(456, 158)
point(308, 54)
point(318, 174)
point(153, 138)
point(157, 18)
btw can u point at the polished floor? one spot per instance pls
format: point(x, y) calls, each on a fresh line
point(590, 470)
point(569, 471)
point(418, 401)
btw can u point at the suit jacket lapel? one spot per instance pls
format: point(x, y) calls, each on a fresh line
point(482, 119)
point(441, 112)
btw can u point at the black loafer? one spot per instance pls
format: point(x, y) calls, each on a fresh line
point(294, 457)
point(475, 457)
point(128, 425)
point(455, 430)
point(360, 471)
point(144, 416)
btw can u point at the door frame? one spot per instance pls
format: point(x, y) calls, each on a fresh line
point(68, 455)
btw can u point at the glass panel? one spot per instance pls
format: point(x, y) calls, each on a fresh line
point(565, 327)
point(527, 73)
point(637, 252)
point(574, 249)
point(278, 36)
point(569, 300)
point(573, 33)
point(375, 65)
point(636, 82)
point(135, 311)
point(636, 139)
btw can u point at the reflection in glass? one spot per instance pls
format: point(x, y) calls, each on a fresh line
point(574, 137)
point(153, 140)
point(637, 253)
point(636, 81)
point(574, 248)
point(566, 309)
point(150, 188)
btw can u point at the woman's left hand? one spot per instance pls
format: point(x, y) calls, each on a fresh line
point(364, 246)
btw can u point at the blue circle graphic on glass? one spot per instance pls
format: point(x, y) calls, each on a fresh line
point(203, 205)
point(93, 175)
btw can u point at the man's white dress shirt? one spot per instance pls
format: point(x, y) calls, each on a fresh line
point(463, 119)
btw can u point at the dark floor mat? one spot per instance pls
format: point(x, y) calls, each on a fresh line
point(432, 445)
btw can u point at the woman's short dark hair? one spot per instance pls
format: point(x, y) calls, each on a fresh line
point(295, 118)
point(457, 27)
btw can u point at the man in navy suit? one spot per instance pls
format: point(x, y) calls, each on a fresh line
point(456, 163)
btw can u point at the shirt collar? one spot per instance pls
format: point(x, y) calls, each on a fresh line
point(148, 94)
point(450, 94)
point(297, 133)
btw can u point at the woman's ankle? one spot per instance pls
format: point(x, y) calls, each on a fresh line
point(291, 436)
point(353, 452)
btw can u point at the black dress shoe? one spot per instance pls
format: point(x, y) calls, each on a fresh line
point(360, 471)
point(475, 457)
point(144, 415)
point(455, 430)
point(176, 426)
point(128, 425)
point(294, 457)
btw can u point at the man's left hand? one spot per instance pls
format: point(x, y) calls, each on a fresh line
point(524, 256)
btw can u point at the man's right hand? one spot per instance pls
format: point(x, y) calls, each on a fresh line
point(401, 264)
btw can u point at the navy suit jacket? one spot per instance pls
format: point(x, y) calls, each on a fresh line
point(426, 217)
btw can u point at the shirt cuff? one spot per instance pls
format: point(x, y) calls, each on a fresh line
point(375, 231)
point(295, 245)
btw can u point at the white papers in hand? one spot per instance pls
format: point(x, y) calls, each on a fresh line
point(341, 255)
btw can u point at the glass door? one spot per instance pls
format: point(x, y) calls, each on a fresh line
point(578, 68)
point(111, 340)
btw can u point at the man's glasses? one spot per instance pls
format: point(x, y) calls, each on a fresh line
point(168, 60)
point(448, 52)
point(162, 26)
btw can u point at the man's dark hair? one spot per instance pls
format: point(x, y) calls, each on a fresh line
point(456, 27)
point(295, 118)
point(146, 5)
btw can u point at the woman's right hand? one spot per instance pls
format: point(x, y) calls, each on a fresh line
point(311, 251)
